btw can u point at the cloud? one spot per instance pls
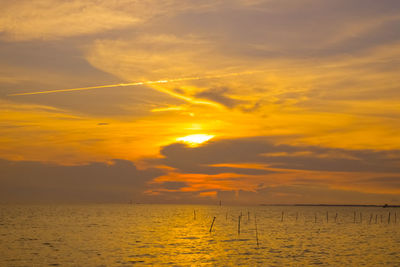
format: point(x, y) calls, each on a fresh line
point(151, 57)
point(381, 182)
point(217, 170)
point(173, 185)
point(28, 67)
point(118, 181)
point(265, 150)
point(345, 57)
point(271, 29)
point(57, 19)
point(262, 164)
point(54, 19)
point(218, 95)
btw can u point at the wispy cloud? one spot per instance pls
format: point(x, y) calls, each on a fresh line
point(51, 19)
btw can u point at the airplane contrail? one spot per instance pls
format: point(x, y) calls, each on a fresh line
point(135, 83)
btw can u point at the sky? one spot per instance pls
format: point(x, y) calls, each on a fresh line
point(170, 101)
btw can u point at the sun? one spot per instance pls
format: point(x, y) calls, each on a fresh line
point(195, 139)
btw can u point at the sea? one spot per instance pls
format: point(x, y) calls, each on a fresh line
point(196, 235)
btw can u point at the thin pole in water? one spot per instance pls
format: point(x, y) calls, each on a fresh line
point(381, 218)
point(248, 216)
point(370, 218)
point(354, 217)
point(389, 218)
point(336, 217)
point(194, 214)
point(297, 216)
point(360, 217)
point(239, 224)
point(212, 224)
point(395, 217)
point(376, 218)
point(327, 217)
point(255, 222)
point(315, 218)
point(282, 217)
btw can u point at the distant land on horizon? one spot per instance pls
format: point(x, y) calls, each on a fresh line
point(335, 205)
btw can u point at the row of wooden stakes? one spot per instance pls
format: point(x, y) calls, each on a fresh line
point(360, 220)
point(356, 219)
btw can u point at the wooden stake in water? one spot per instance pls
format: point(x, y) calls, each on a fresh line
point(248, 216)
point(395, 217)
point(370, 219)
point(389, 218)
point(336, 217)
point(360, 217)
point(194, 214)
point(376, 218)
point(255, 222)
point(327, 217)
point(354, 217)
point(212, 224)
point(282, 217)
point(297, 216)
point(239, 224)
point(315, 218)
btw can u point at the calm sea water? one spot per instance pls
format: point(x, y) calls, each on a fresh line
point(126, 235)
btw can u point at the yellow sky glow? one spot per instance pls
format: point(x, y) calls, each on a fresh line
point(195, 139)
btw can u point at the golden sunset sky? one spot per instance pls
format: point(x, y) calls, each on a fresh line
point(171, 101)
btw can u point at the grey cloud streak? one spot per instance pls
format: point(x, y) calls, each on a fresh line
point(381, 168)
point(262, 150)
point(218, 95)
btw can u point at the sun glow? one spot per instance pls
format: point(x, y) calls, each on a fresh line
point(195, 139)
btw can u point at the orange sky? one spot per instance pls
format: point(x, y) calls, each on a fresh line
point(246, 101)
